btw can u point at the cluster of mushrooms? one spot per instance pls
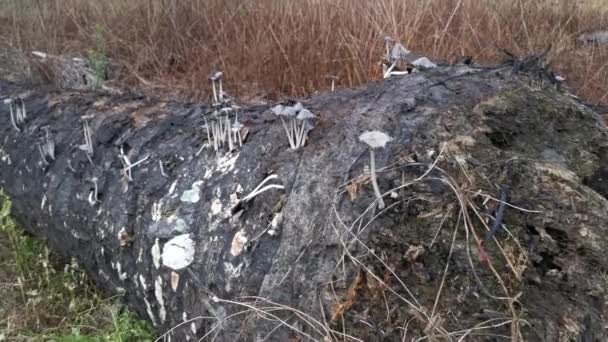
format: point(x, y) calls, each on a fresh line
point(300, 121)
point(222, 130)
point(398, 60)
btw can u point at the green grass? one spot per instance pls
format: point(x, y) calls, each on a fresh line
point(44, 299)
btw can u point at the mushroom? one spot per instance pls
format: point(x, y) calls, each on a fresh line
point(219, 75)
point(333, 79)
point(9, 102)
point(388, 40)
point(375, 139)
point(285, 111)
point(226, 133)
point(46, 146)
point(305, 115)
point(87, 147)
point(400, 52)
point(424, 63)
point(214, 77)
point(236, 129)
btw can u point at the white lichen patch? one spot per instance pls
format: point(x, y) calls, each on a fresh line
point(232, 271)
point(142, 282)
point(121, 275)
point(192, 195)
point(178, 252)
point(208, 174)
point(150, 312)
point(178, 223)
point(156, 254)
point(5, 157)
point(157, 211)
point(103, 275)
point(158, 293)
point(238, 243)
point(172, 188)
point(174, 281)
point(216, 207)
point(226, 162)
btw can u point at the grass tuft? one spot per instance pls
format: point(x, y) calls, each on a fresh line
point(42, 299)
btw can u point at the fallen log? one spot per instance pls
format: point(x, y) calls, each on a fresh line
point(267, 242)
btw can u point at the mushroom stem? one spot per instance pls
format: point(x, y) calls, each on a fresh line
point(229, 134)
point(333, 85)
point(214, 91)
point(221, 94)
point(42, 154)
point(301, 135)
point(374, 182)
point(294, 130)
point(23, 111)
point(215, 136)
point(289, 135)
point(13, 117)
point(207, 127)
point(388, 71)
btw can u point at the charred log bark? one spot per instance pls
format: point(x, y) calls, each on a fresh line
point(153, 212)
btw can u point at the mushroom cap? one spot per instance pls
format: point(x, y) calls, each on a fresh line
point(8, 101)
point(388, 38)
point(332, 77)
point(305, 114)
point(216, 75)
point(424, 62)
point(278, 110)
point(298, 107)
point(237, 126)
point(290, 111)
point(399, 51)
point(375, 139)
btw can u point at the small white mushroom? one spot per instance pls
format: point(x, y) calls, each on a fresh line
point(214, 77)
point(261, 188)
point(289, 112)
point(375, 139)
point(305, 115)
point(388, 40)
point(333, 79)
point(9, 102)
point(424, 63)
point(400, 52)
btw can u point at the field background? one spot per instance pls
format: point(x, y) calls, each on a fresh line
point(274, 48)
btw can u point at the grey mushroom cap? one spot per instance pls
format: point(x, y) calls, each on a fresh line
point(424, 62)
point(278, 110)
point(399, 51)
point(8, 101)
point(305, 114)
point(216, 76)
point(237, 126)
point(298, 107)
point(375, 139)
point(290, 111)
point(388, 38)
point(332, 77)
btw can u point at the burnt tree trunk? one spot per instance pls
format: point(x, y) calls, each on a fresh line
point(317, 259)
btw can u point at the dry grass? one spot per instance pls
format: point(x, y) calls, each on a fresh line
point(271, 48)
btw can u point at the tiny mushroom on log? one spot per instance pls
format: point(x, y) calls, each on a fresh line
point(305, 116)
point(375, 139)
